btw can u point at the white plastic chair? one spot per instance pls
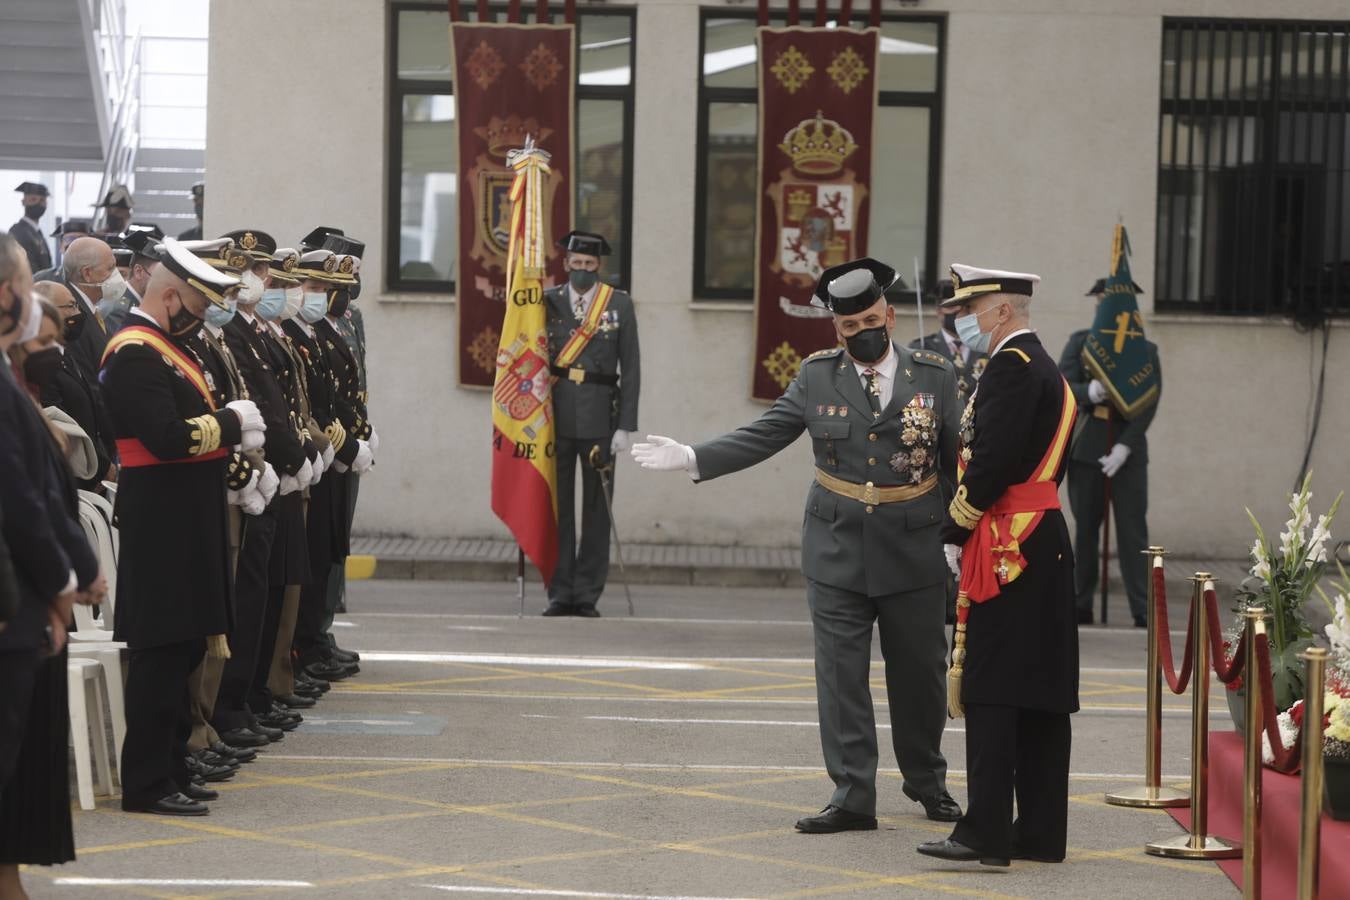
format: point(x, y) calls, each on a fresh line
point(85, 687)
point(93, 640)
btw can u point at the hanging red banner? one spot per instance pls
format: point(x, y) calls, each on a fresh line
point(817, 100)
point(511, 81)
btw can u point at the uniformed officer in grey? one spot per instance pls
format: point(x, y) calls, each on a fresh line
point(593, 348)
point(884, 425)
point(1105, 446)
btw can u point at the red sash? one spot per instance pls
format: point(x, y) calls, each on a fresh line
point(133, 454)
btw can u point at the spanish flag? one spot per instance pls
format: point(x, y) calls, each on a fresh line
point(1115, 351)
point(524, 472)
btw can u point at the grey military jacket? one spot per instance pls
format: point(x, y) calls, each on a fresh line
point(880, 549)
point(1090, 434)
point(593, 410)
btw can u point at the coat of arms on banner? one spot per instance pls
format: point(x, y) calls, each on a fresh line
point(522, 390)
point(815, 201)
point(490, 181)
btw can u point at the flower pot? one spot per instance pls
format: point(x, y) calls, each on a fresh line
point(1237, 708)
point(1336, 779)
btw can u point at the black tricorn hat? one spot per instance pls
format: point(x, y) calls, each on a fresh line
point(71, 226)
point(944, 290)
point(32, 187)
point(1099, 287)
point(587, 243)
point(314, 240)
point(342, 245)
point(142, 240)
point(258, 245)
point(851, 287)
point(118, 197)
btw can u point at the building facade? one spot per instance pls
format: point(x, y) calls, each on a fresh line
point(1010, 133)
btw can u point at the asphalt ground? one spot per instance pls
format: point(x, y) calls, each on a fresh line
point(662, 756)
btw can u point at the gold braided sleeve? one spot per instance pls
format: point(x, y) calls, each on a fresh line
point(336, 434)
point(204, 434)
point(962, 512)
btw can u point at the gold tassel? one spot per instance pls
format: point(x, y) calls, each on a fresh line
point(958, 667)
point(217, 647)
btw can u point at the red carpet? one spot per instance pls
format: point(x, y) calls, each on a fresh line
point(1281, 798)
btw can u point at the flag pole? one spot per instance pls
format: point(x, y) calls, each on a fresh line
point(520, 580)
point(1106, 527)
point(918, 298)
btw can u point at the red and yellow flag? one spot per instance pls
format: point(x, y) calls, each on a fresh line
point(524, 472)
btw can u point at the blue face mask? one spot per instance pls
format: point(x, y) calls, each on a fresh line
point(315, 306)
point(217, 317)
point(272, 304)
point(968, 330)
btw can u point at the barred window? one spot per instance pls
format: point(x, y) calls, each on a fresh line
point(1253, 194)
point(421, 243)
point(904, 205)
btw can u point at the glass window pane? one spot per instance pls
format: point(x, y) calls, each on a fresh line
point(424, 45)
point(165, 55)
point(909, 56)
point(729, 228)
point(600, 201)
point(427, 201)
point(729, 53)
point(898, 223)
point(606, 45)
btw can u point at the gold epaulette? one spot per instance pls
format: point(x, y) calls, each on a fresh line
point(930, 358)
point(1021, 353)
point(962, 512)
point(829, 352)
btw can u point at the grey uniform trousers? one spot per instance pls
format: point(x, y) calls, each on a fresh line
point(1129, 505)
point(583, 566)
point(914, 647)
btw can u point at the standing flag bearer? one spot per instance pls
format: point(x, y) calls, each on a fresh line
point(524, 491)
point(1115, 376)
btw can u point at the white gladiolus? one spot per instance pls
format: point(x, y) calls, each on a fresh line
point(1338, 630)
point(1317, 544)
point(1262, 570)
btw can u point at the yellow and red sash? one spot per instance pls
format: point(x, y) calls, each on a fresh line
point(130, 451)
point(992, 556)
point(589, 326)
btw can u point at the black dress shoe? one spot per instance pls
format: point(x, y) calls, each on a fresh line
point(205, 772)
point(588, 612)
point(833, 819)
point(243, 738)
point(557, 609)
point(309, 682)
point(346, 656)
point(176, 804)
point(278, 720)
point(328, 670)
point(236, 754)
point(953, 851)
point(212, 758)
point(940, 807)
point(194, 792)
point(272, 734)
point(293, 701)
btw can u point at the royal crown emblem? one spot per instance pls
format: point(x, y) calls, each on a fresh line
point(818, 146)
point(330, 264)
point(248, 241)
point(505, 133)
point(345, 267)
point(236, 260)
point(289, 264)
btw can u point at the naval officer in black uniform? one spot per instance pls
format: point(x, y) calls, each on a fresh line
point(593, 345)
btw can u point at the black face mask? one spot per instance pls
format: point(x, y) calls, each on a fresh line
point(36, 211)
point(75, 325)
point(870, 345)
point(40, 367)
point(949, 323)
point(582, 280)
point(183, 322)
point(338, 301)
point(354, 291)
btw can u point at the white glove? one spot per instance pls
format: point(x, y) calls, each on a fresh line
point(289, 485)
point(236, 497)
point(953, 554)
point(318, 466)
point(249, 417)
point(306, 473)
point(621, 441)
point(1096, 391)
point(252, 502)
point(267, 484)
point(1112, 461)
point(374, 441)
point(251, 440)
point(328, 454)
point(364, 458)
point(339, 466)
point(662, 454)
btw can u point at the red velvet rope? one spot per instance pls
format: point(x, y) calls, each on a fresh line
point(1176, 682)
point(1286, 758)
point(1227, 672)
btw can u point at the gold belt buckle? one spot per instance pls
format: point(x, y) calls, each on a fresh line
point(871, 495)
point(1101, 411)
point(576, 375)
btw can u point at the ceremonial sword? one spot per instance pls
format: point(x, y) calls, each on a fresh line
point(605, 486)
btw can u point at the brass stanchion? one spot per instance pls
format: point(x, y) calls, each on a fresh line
point(1251, 810)
point(1310, 831)
point(1152, 795)
point(1198, 844)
